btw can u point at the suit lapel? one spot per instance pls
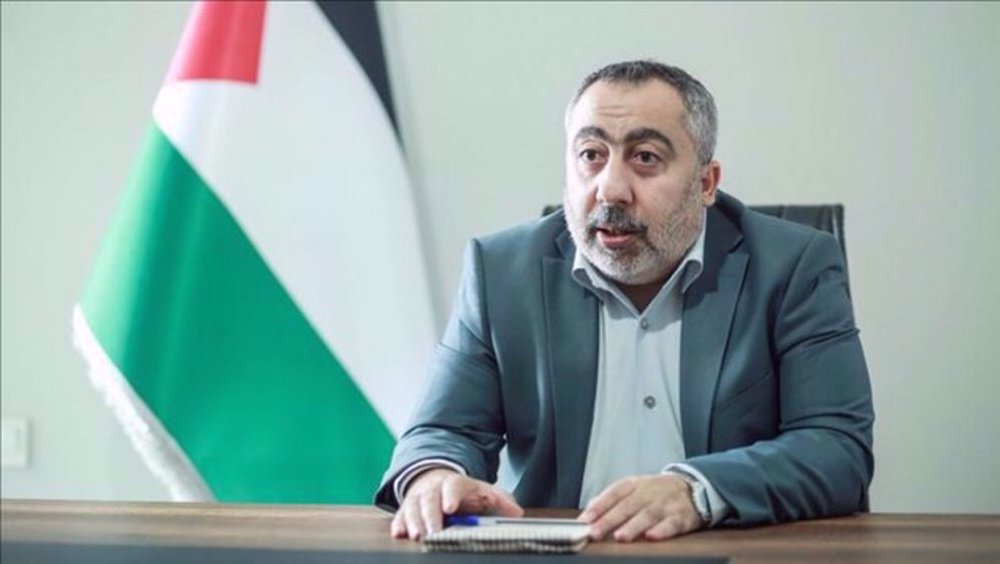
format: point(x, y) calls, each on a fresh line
point(709, 305)
point(571, 317)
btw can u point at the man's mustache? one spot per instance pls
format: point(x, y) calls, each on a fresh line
point(615, 220)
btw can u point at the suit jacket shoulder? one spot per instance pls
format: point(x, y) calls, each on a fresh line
point(764, 237)
point(524, 245)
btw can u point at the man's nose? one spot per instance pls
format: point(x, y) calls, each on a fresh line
point(613, 185)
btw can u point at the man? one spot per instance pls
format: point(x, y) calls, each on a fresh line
point(656, 354)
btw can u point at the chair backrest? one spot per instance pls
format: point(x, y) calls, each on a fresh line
point(825, 217)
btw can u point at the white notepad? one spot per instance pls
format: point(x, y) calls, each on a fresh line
point(503, 534)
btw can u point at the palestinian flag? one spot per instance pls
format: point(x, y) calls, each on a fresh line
point(259, 316)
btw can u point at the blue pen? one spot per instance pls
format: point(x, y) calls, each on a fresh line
point(479, 520)
point(466, 520)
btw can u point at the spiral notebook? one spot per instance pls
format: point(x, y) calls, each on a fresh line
point(501, 534)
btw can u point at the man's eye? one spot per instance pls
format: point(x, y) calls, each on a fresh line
point(589, 155)
point(647, 157)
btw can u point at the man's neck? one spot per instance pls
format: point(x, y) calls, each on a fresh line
point(641, 295)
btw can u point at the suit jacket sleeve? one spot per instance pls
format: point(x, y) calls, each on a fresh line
point(820, 463)
point(460, 417)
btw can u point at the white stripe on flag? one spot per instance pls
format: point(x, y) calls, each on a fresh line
point(308, 164)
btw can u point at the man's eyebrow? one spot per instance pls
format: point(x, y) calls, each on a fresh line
point(648, 134)
point(592, 131)
point(634, 136)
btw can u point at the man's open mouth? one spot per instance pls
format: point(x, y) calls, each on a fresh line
point(613, 238)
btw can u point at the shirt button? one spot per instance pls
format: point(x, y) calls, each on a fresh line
point(649, 401)
point(644, 324)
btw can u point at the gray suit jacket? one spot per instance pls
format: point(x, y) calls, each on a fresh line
point(775, 399)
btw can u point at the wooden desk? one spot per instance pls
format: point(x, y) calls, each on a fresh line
point(865, 538)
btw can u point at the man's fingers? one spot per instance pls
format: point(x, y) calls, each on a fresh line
point(614, 517)
point(413, 519)
point(638, 524)
point(505, 505)
point(463, 494)
point(398, 528)
point(665, 529)
point(430, 510)
point(609, 510)
point(610, 521)
point(606, 500)
point(454, 492)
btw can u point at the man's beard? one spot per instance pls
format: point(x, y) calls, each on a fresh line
point(657, 249)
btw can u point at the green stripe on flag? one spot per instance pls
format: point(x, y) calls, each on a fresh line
point(196, 321)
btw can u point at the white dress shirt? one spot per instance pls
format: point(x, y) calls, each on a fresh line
point(637, 416)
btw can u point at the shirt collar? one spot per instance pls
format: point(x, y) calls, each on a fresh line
point(689, 269)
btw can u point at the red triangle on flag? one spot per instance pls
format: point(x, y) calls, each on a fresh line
point(222, 41)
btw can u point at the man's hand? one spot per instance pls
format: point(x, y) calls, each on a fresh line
point(442, 491)
point(651, 507)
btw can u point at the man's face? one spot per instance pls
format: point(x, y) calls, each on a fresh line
point(634, 188)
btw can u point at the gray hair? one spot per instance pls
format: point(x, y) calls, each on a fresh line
point(702, 119)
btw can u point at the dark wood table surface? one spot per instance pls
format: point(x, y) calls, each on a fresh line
point(862, 538)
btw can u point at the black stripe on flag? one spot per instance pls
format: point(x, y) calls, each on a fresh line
point(357, 24)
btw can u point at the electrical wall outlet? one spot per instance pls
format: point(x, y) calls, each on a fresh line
point(15, 442)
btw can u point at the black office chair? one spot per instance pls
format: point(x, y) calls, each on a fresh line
point(825, 217)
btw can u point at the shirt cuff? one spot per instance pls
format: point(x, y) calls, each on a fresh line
point(716, 505)
point(411, 472)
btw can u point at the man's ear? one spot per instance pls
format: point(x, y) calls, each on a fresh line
point(711, 174)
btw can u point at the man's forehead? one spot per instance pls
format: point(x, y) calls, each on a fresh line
point(652, 103)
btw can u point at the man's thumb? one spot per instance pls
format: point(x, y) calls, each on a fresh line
point(505, 504)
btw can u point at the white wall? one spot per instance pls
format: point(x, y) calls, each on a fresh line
point(77, 91)
point(888, 108)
